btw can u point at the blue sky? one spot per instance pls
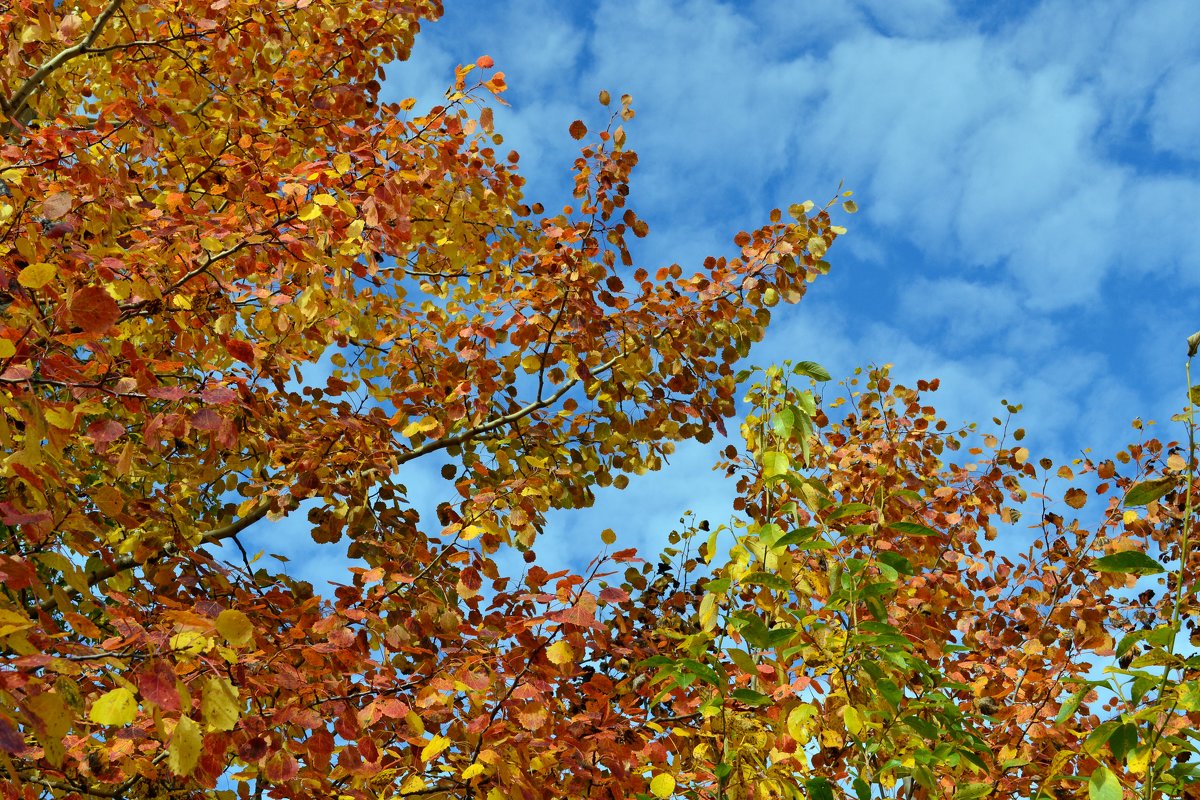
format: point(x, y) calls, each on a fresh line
point(1027, 173)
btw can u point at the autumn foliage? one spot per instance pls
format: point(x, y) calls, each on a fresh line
point(203, 205)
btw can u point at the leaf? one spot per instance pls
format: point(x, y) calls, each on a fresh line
point(560, 652)
point(57, 205)
point(219, 704)
point(7, 348)
point(775, 463)
point(578, 130)
point(341, 163)
point(310, 212)
point(241, 350)
point(1104, 785)
point(1069, 707)
point(750, 697)
point(324, 199)
point(663, 785)
point(1147, 492)
point(156, 682)
point(235, 627)
point(116, 707)
point(853, 720)
point(973, 791)
point(608, 536)
point(94, 310)
point(812, 370)
point(1130, 562)
point(912, 529)
point(434, 748)
point(35, 276)
point(184, 750)
point(1076, 498)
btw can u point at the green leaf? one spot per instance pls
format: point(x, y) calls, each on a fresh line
point(848, 510)
point(1147, 492)
point(812, 370)
point(1122, 740)
point(750, 697)
point(702, 671)
point(896, 561)
point(912, 529)
point(768, 579)
point(972, 791)
point(784, 422)
point(819, 789)
point(775, 463)
point(1072, 704)
point(1130, 562)
point(1104, 785)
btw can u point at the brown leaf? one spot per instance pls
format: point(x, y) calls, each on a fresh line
point(578, 129)
point(1076, 498)
point(57, 205)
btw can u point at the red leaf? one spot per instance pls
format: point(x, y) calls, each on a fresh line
point(11, 740)
point(104, 431)
point(575, 615)
point(485, 62)
point(241, 350)
point(281, 767)
point(578, 129)
point(611, 594)
point(157, 684)
point(94, 310)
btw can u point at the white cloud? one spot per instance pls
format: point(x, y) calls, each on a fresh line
point(1175, 113)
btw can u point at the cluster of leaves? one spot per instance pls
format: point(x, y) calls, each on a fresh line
point(198, 202)
point(866, 637)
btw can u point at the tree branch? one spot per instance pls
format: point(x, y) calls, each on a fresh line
point(17, 102)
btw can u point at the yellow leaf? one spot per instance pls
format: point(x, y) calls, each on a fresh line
point(235, 627)
point(560, 653)
point(184, 750)
point(190, 642)
point(853, 720)
point(608, 536)
point(310, 212)
point(412, 784)
point(35, 276)
point(341, 163)
point(663, 785)
point(355, 229)
point(324, 199)
point(117, 707)
point(11, 622)
point(219, 704)
point(420, 426)
point(61, 418)
point(55, 719)
point(472, 771)
point(7, 348)
point(708, 613)
point(470, 532)
point(531, 363)
point(1139, 760)
point(436, 745)
point(211, 244)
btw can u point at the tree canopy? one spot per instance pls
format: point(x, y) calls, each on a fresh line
point(204, 205)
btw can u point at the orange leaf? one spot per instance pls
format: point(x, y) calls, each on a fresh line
point(94, 310)
point(578, 129)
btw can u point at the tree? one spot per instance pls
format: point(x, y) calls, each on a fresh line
point(892, 623)
point(199, 202)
